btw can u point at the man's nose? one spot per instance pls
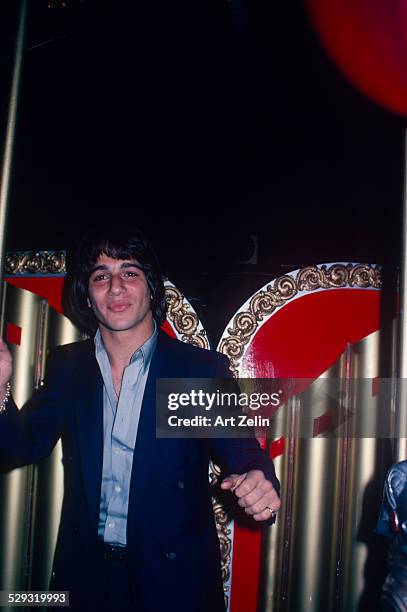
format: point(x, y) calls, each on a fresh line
point(116, 284)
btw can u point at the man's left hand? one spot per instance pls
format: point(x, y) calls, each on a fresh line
point(255, 493)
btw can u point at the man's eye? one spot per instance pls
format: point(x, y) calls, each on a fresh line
point(100, 277)
point(130, 273)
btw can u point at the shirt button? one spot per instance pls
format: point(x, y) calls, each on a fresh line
point(111, 524)
point(171, 555)
point(181, 484)
point(117, 489)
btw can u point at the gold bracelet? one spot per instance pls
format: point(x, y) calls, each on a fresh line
point(5, 398)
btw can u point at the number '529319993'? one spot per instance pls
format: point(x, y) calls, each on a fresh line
point(37, 597)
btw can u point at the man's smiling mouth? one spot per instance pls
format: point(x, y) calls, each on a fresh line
point(119, 307)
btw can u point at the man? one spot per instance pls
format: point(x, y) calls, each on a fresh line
point(137, 529)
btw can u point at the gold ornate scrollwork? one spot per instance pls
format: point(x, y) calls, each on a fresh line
point(262, 303)
point(310, 278)
point(222, 522)
point(284, 289)
point(337, 275)
point(269, 298)
point(35, 262)
point(365, 276)
point(185, 321)
point(244, 324)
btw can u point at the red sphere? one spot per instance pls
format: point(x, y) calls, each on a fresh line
point(367, 39)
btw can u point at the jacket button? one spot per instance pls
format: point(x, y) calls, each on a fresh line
point(171, 555)
point(76, 529)
point(181, 484)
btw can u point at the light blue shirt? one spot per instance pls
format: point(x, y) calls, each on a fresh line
point(120, 423)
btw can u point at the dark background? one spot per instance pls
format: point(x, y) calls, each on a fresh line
point(205, 123)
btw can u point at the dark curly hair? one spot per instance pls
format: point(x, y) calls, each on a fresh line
point(118, 242)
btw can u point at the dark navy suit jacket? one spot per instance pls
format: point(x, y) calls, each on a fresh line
point(173, 547)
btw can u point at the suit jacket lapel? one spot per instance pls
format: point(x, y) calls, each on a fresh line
point(89, 415)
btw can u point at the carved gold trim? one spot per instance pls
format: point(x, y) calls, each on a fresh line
point(224, 531)
point(35, 262)
point(285, 288)
point(184, 319)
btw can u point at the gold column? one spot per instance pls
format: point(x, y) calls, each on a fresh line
point(56, 330)
point(368, 458)
point(23, 309)
point(315, 516)
point(31, 497)
point(276, 540)
point(314, 559)
point(300, 551)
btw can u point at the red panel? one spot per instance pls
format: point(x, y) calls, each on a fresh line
point(13, 334)
point(49, 288)
point(246, 569)
point(324, 423)
point(168, 329)
point(277, 448)
point(375, 386)
point(307, 335)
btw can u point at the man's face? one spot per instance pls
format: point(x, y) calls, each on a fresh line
point(119, 294)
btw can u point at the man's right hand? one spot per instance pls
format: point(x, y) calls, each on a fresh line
point(6, 367)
